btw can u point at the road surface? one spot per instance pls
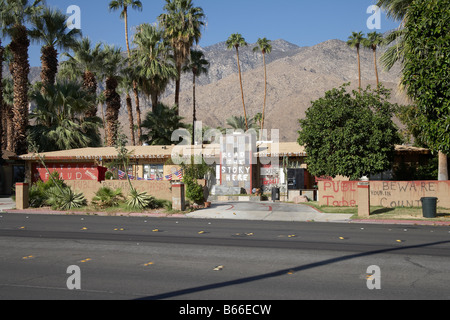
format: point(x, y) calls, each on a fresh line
point(205, 259)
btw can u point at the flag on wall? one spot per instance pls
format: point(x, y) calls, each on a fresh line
point(169, 177)
point(179, 174)
point(121, 174)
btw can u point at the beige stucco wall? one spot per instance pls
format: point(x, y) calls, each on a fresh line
point(389, 194)
point(158, 189)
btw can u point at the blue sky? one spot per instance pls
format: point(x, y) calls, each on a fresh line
point(302, 22)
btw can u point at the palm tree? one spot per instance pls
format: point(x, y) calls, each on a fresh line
point(235, 41)
point(14, 15)
point(58, 125)
point(124, 5)
point(264, 46)
point(112, 65)
point(151, 58)
point(85, 63)
point(373, 41)
point(354, 41)
point(198, 65)
point(395, 9)
point(240, 123)
point(161, 123)
point(50, 29)
point(182, 24)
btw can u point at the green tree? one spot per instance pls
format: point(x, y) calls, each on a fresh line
point(264, 46)
point(112, 66)
point(160, 125)
point(198, 65)
point(152, 62)
point(182, 23)
point(84, 64)
point(373, 41)
point(355, 41)
point(236, 41)
point(239, 123)
point(50, 29)
point(350, 134)
point(426, 72)
point(57, 125)
point(14, 17)
point(124, 5)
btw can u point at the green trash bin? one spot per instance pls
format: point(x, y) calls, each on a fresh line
point(429, 207)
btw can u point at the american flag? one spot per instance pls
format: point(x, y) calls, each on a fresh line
point(179, 174)
point(169, 177)
point(121, 174)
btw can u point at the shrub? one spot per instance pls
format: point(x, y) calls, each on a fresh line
point(65, 199)
point(140, 201)
point(38, 194)
point(105, 197)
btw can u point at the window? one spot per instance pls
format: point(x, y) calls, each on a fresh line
point(153, 172)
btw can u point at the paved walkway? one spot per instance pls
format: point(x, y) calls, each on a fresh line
point(6, 203)
point(266, 211)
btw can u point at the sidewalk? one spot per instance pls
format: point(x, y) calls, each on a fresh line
point(6, 203)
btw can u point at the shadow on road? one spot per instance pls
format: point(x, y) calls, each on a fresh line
point(282, 272)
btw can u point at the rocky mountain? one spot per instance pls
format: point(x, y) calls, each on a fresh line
point(296, 76)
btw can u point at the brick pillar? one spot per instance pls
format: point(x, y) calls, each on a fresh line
point(364, 199)
point(178, 197)
point(22, 200)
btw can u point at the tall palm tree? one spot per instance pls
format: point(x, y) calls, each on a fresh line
point(198, 65)
point(373, 41)
point(182, 24)
point(113, 63)
point(355, 41)
point(50, 29)
point(124, 5)
point(14, 16)
point(395, 9)
point(85, 63)
point(240, 123)
point(264, 46)
point(235, 41)
point(152, 60)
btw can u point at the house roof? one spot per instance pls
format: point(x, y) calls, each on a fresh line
point(291, 149)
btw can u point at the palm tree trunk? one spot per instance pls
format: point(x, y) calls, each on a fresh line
point(359, 69)
point(2, 117)
point(443, 167)
point(242, 88)
point(138, 112)
point(130, 118)
point(49, 61)
point(90, 85)
point(376, 67)
point(9, 128)
point(177, 88)
point(112, 111)
point(136, 96)
point(194, 111)
point(21, 68)
point(265, 91)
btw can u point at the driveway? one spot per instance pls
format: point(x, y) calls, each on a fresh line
point(6, 203)
point(266, 211)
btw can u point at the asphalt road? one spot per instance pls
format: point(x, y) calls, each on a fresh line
point(195, 259)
